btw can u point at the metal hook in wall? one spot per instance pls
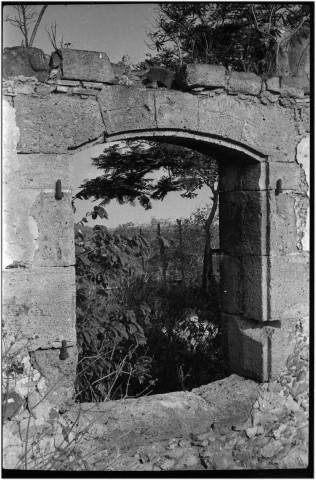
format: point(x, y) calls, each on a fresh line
point(278, 189)
point(59, 194)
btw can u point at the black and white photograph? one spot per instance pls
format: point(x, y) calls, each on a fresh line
point(156, 280)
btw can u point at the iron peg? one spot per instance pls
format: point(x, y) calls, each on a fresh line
point(59, 194)
point(63, 352)
point(278, 189)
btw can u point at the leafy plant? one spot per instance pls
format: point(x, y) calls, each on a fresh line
point(109, 318)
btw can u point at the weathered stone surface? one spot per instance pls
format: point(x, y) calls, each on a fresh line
point(292, 87)
point(20, 230)
point(53, 124)
point(136, 422)
point(259, 176)
point(231, 399)
point(25, 85)
point(198, 74)
point(59, 374)
point(10, 130)
point(176, 110)
point(244, 286)
point(37, 171)
point(127, 108)
point(265, 288)
point(270, 129)
point(40, 305)
point(242, 225)
point(232, 288)
point(234, 177)
point(223, 116)
point(37, 228)
point(302, 205)
point(255, 350)
point(244, 82)
point(273, 84)
point(30, 62)
point(87, 65)
point(289, 286)
point(54, 220)
point(283, 223)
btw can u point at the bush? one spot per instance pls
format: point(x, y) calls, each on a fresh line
point(110, 321)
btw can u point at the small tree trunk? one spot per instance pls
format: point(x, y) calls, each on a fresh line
point(207, 263)
point(181, 252)
point(37, 25)
point(163, 258)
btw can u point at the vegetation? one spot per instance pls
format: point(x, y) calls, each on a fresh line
point(240, 36)
point(132, 176)
point(25, 16)
point(136, 322)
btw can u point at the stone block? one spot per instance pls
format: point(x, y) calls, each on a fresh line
point(127, 108)
point(176, 110)
point(244, 286)
point(247, 83)
point(95, 85)
point(234, 177)
point(68, 83)
point(292, 87)
point(87, 65)
point(269, 129)
point(84, 91)
point(25, 86)
point(259, 176)
point(27, 61)
point(289, 286)
point(59, 374)
point(10, 130)
point(243, 222)
point(282, 223)
point(54, 123)
point(232, 285)
point(273, 84)
point(61, 89)
point(209, 76)
point(39, 305)
point(37, 171)
point(20, 231)
point(54, 220)
point(257, 351)
point(222, 115)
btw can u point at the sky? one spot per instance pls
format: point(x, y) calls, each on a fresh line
point(116, 29)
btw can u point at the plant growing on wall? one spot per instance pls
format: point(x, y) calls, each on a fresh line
point(25, 16)
point(240, 36)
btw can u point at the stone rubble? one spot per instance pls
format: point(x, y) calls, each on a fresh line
point(275, 436)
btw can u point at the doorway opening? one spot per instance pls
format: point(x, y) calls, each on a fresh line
point(148, 294)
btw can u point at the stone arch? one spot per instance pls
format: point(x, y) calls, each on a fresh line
point(259, 131)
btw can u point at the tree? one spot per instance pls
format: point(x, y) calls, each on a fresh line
point(25, 16)
point(127, 179)
point(240, 36)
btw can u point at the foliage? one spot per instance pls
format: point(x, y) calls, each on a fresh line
point(126, 176)
point(240, 36)
point(25, 16)
point(109, 321)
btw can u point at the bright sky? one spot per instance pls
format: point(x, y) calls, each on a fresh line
point(116, 29)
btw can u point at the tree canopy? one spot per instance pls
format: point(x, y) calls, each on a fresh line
point(127, 177)
point(240, 36)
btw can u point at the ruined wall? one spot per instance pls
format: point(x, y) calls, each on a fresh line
point(259, 128)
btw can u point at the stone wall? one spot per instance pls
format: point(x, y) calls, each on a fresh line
point(259, 130)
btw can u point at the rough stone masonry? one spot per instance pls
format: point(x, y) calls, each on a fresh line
point(257, 128)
